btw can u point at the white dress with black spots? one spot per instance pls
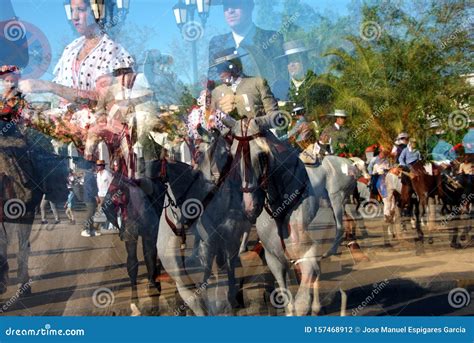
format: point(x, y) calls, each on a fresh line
point(106, 57)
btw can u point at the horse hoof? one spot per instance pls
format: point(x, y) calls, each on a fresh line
point(430, 240)
point(456, 246)
point(3, 288)
point(135, 311)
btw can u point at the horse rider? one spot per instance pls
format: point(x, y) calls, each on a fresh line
point(240, 95)
point(401, 143)
point(377, 167)
point(303, 135)
point(337, 133)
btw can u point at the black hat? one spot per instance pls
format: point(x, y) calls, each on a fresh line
point(227, 59)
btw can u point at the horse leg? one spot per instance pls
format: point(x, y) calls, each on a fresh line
point(279, 268)
point(24, 231)
point(132, 269)
point(419, 238)
point(150, 257)
point(337, 204)
point(243, 245)
point(309, 278)
point(3, 258)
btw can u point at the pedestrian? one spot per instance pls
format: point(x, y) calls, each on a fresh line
point(91, 200)
point(71, 198)
point(43, 204)
point(104, 179)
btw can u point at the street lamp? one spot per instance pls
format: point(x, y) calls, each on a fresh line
point(184, 14)
point(106, 12)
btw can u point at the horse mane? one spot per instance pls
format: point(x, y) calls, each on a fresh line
point(287, 174)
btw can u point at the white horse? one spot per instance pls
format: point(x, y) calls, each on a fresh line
point(273, 177)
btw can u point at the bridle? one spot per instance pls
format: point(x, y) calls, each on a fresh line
point(243, 152)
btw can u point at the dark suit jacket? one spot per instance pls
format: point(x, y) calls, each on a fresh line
point(263, 47)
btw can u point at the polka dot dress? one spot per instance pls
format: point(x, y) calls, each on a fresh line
point(106, 57)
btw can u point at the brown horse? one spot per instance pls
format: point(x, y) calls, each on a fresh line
point(418, 189)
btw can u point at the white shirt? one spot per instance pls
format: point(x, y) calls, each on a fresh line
point(239, 38)
point(104, 178)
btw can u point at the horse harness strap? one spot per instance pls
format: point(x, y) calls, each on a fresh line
point(243, 151)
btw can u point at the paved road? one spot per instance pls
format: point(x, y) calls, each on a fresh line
point(67, 270)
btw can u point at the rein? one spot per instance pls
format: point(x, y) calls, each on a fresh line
point(243, 151)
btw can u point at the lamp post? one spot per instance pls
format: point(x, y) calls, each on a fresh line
point(108, 13)
point(184, 12)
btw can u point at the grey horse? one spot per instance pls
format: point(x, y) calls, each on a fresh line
point(202, 203)
point(291, 202)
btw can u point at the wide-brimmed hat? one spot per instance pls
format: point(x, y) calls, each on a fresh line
point(294, 47)
point(100, 163)
point(402, 135)
point(225, 56)
point(338, 113)
point(297, 110)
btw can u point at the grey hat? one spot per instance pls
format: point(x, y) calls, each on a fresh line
point(339, 113)
point(294, 47)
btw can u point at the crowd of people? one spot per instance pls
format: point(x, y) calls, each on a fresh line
point(102, 95)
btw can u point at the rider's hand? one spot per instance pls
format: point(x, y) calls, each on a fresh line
point(227, 103)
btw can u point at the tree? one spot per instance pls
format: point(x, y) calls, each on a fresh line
point(404, 74)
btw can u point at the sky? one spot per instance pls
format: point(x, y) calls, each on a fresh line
point(50, 17)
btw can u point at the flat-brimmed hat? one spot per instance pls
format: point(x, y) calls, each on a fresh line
point(294, 47)
point(224, 58)
point(297, 110)
point(100, 163)
point(338, 113)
